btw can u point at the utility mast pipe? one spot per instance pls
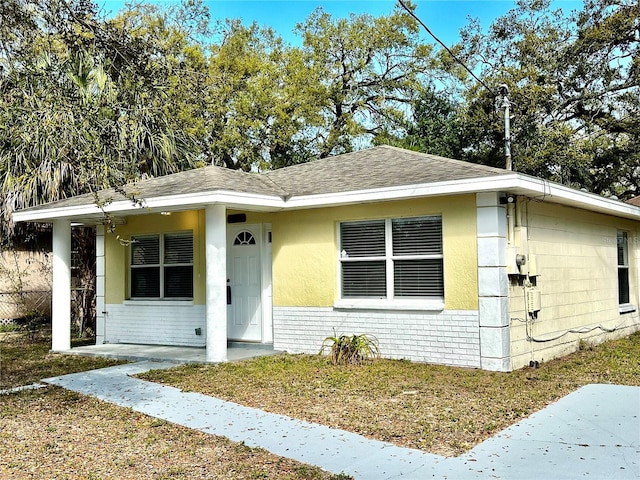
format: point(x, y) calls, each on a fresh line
point(504, 91)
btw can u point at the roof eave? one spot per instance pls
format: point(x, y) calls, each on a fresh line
point(544, 190)
point(515, 183)
point(149, 205)
point(404, 192)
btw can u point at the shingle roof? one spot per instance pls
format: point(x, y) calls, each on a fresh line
point(205, 179)
point(376, 167)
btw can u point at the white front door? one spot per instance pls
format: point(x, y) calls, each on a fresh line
point(244, 315)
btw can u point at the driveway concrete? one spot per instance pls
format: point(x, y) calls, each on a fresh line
point(591, 433)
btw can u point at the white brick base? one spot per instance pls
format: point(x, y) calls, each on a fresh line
point(450, 337)
point(159, 323)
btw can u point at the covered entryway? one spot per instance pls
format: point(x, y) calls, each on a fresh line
point(249, 282)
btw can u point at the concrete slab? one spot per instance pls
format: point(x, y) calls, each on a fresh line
point(594, 433)
point(162, 353)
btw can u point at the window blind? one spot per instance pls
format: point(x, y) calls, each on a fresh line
point(622, 249)
point(162, 266)
point(418, 278)
point(178, 282)
point(417, 236)
point(393, 258)
point(363, 239)
point(145, 250)
point(364, 279)
point(178, 248)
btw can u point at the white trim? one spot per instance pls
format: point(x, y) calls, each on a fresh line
point(258, 232)
point(267, 284)
point(158, 302)
point(515, 183)
point(156, 204)
point(100, 285)
point(161, 266)
point(384, 304)
point(403, 192)
point(389, 258)
point(389, 261)
point(627, 308)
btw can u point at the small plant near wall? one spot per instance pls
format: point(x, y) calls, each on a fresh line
point(350, 350)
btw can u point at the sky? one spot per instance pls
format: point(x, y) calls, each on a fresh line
point(445, 18)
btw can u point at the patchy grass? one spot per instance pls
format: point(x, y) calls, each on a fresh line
point(54, 433)
point(25, 360)
point(443, 410)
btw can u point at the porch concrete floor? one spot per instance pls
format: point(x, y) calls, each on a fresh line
point(159, 353)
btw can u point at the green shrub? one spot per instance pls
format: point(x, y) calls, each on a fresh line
point(350, 350)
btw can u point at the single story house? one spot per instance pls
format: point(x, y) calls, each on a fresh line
point(443, 261)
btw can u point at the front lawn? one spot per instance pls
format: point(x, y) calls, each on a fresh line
point(443, 410)
point(25, 360)
point(55, 433)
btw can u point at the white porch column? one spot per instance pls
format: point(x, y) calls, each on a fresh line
point(100, 286)
point(61, 288)
point(216, 278)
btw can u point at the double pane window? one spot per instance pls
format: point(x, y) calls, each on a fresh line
point(392, 258)
point(623, 268)
point(162, 265)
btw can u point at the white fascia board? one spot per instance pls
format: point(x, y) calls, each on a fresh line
point(543, 190)
point(515, 183)
point(126, 207)
point(455, 187)
point(229, 198)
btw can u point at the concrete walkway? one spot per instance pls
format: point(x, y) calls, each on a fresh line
point(591, 433)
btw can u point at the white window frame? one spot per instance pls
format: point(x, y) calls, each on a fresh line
point(389, 302)
point(161, 266)
point(622, 239)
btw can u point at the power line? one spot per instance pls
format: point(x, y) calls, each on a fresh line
point(404, 5)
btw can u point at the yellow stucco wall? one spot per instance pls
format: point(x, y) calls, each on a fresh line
point(305, 249)
point(305, 262)
point(117, 255)
point(576, 258)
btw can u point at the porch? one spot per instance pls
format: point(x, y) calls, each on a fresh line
point(202, 315)
point(137, 352)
